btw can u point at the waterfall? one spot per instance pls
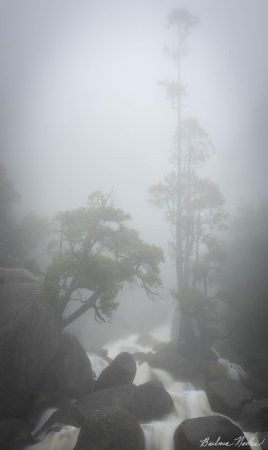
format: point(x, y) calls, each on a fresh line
point(43, 418)
point(129, 344)
point(234, 371)
point(65, 439)
point(143, 374)
point(188, 402)
point(97, 363)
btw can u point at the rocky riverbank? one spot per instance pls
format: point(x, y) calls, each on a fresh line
point(43, 368)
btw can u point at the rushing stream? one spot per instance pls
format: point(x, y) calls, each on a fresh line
point(188, 401)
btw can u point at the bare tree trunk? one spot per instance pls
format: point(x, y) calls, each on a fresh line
point(179, 244)
point(90, 303)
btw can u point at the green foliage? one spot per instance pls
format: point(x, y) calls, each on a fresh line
point(196, 204)
point(19, 240)
point(99, 253)
point(192, 203)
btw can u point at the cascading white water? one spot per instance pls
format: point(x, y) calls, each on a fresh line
point(234, 371)
point(188, 401)
point(128, 344)
point(143, 374)
point(65, 439)
point(98, 363)
point(43, 418)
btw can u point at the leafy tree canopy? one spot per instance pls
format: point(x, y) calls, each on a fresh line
point(195, 203)
point(98, 253)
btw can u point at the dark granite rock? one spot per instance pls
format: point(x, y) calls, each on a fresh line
point(110, 429)
point(228, 396)
point(122, 370)
point(210, 432)
point(29, 337)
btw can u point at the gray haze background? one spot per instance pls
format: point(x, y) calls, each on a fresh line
point(81, 108)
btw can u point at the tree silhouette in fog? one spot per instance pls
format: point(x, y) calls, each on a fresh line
point(193, 204)
point(98, 253)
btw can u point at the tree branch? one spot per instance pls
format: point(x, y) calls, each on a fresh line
point(90, 303)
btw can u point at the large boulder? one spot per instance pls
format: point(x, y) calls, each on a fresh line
point(148, 401)
point(69, 373)
point(170, 360)
point(155, 401)
point(257, 386)
point(122, 370)
point(212, 431)
point(14, 435)
point(182, 362)
point(110, 429)
point(254, 416)
point(227, 396)
point(66, 415)
point(29, 337)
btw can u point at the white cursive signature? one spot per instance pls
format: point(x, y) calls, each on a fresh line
point(240, 441)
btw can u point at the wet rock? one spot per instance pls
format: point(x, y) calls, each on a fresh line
point(69, 373)
point(210, 432)
point(41, 404)
point(146, 402)
point(122, 370)
point(170, 361)
point(14, 435)
point(29, 337)
point(254, 416)
point(216, 371)
point(156, 401)
point(66, 415)
point(257, 386)
point(141, 357)
point(110, 429)
point(228, 396)
point(179, 362)
point(37, 404)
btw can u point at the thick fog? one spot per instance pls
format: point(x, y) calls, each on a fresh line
point(82, 108)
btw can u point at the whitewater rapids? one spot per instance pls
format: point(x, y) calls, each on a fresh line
point(189, 402)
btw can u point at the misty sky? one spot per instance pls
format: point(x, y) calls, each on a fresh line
point(81, 108)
